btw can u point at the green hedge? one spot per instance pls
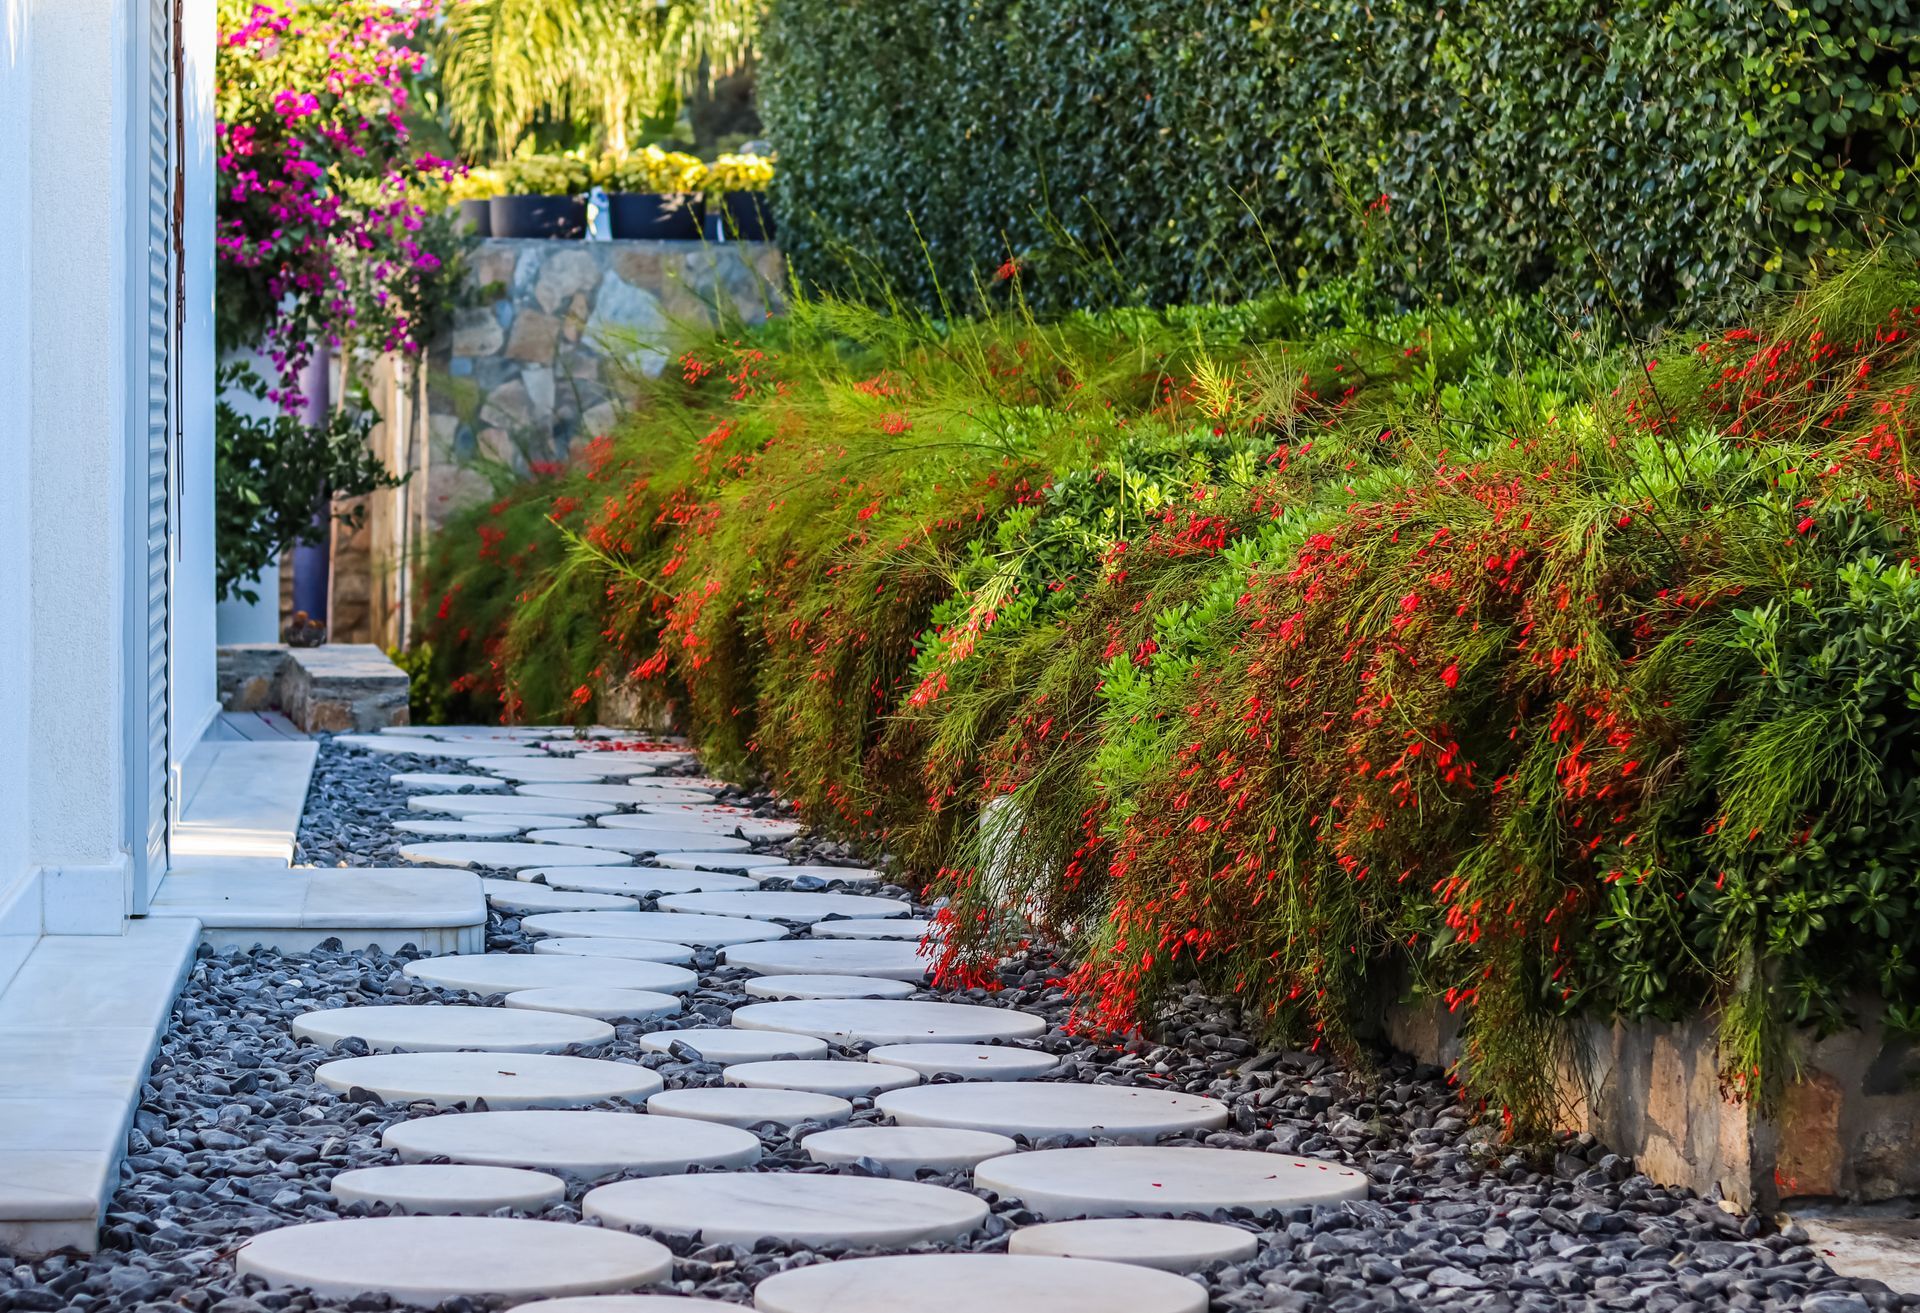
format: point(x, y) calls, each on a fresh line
point(1657, 154)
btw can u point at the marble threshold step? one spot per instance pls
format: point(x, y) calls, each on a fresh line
point(242, 798)
point(79, 1023)
point(243, 903)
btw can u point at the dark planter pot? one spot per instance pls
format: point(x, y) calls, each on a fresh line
point(654, 216)
point(538, 216)
point(740, 216)
point(476, 218)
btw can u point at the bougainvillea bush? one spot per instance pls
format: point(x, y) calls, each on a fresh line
point(1307, 650)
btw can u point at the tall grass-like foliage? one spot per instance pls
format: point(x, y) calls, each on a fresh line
point(1300, 648)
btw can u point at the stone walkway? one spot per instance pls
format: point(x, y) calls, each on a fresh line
point(696, 1063)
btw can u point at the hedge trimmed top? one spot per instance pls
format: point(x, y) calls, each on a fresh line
point(1650, 153)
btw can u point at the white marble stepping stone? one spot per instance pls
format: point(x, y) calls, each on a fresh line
point(891, 1021)
point(481, 733)
point(399, 1028)
point(636, 950)
point(625, 795)
point(685, 822)
point(729, 1046)
point(1164, 1180)
point(710, 858)
point(972, 1061)
point(472, 751)
point(633, 841)
point(469, 828)
point(904, 1150)
point(507, 973)
point(523, 897)
point(507, 856)
point(1167, 1243)
point(738, 1208)
point(834, 957)
point(971, 1283)
point(449, 1188)
point(1116, 1112)
point(428, 781)
point(597, 1002)
point(846, 1080)
point(545, 768)
point(736, 1106)
point(425, 1261)
point(674, 927)
point(844, 874)
point(504, 1080)
point(587, 1144)
point(626, 1304)
point(915, 928)
point(641, 881)
point(473, 804)
point(785, 905)
point(828, 987)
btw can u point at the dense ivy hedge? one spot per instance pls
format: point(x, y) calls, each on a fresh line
point(1648, 152)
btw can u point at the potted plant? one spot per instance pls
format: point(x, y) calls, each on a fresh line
point(654, 195)
point(471, 192)
point(545, 197)
point(736, 187)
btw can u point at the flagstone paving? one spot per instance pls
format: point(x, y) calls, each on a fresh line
point(271, 1113)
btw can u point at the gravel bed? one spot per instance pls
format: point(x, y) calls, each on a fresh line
point(233, 1136)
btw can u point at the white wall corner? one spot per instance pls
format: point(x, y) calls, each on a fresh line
point(85, 900)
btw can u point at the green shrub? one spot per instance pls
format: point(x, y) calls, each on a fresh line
point(1660, 154)
point(1289, 645)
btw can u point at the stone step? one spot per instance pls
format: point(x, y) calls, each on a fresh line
point(294, 909)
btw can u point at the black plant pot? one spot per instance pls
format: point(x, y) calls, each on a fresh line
point(654, 216)
point(740, 216)
point(476, 218)
point(538, 216)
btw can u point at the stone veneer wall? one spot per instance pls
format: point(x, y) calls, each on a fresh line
point(537, 352)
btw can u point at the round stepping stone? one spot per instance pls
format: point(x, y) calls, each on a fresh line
point(674, 927)
point(828, 987)
point(635, 950)
point(844, 874)
point(625, 1304)
point(833, 957)
point(523, 897)
point(398, 1028)
point(706, 854)
point(1118, 1112)
point(442, 1188)
point(622, 794)
point(1163, 1180)
point(1167, 1243)
point(460, 804)
point(700, 821)
point(729, 1046)
point(736, 1106)
point(425, 1261)
point(967, 1283)
point(507, 973)
point(904, 1150)
point(504, 1080)
point(784, 905)
point(635, 841)
point(587, 1145)
point(891, 1021)
point(491, 752)
point(640, 881)
point(738, 1208)
point(431, 782)
point(598, 1002)
point(577, 769)
point(973, 1061)
point(436, 828)
point(507, 856)
point(915, 928)
point(846, 1080)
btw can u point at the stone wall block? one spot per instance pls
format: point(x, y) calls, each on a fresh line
point(568, 272)
point(534, 339)
point(476, 332)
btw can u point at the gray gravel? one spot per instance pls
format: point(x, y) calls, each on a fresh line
point(233, 1136)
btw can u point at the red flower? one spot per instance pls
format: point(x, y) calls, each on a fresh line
point(1007, 272)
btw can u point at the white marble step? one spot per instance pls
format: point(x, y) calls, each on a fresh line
point(241, 904)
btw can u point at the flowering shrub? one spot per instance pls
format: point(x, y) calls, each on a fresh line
point(322, 230)
point(737, 173)
point(651, 169)
point(1302, 649)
